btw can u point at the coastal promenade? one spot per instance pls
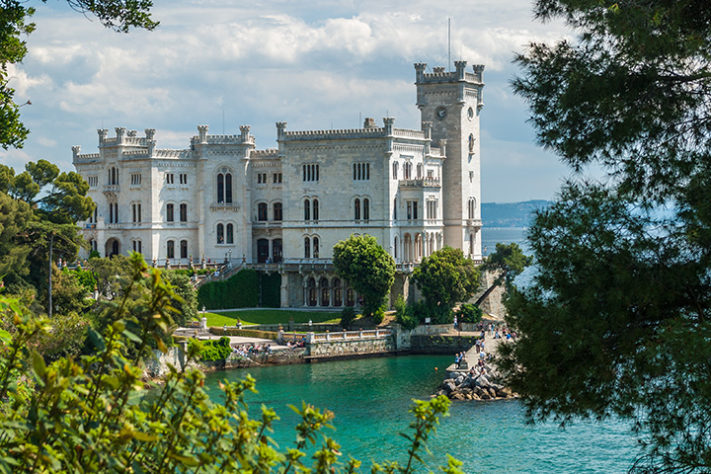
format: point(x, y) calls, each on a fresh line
point(471, 356)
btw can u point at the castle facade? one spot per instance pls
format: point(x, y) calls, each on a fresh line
point(223, 200)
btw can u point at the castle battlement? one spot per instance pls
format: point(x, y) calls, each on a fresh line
point(335, 134)
point(440, 76)
point(265, 154)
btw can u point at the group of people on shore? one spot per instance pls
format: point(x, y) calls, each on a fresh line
point(250, 350)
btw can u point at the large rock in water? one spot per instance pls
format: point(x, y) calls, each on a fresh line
point(449, 386)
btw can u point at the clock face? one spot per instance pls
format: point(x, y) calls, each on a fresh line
point(441, 113)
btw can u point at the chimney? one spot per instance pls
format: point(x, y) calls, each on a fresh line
point(369, 122)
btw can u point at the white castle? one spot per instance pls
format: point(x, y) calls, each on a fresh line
point(221, 200)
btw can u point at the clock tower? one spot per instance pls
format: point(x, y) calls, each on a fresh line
point(451, 101)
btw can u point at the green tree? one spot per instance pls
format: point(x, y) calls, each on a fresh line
point(119, 15)
point(445, 278)
point(368, 268)
point(507, 262)
point(92, 414)
point(617, 319)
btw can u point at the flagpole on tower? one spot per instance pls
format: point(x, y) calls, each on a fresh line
point(449, 43)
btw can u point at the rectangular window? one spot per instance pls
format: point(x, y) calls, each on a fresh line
point(432, 209)
point(93, 181)
point(310, 172)
point(361, 171)
point(411, 210)
point(169, 213)
point(276, 178)
point(135, 179)
point(169, 178)
point(136, 212)
point(137, 246)
point(183, 178)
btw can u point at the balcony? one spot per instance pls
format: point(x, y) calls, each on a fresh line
point(224, 206)
point(420, 183)
point(111, 188)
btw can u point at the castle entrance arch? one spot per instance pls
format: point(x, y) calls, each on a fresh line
point(112, 247)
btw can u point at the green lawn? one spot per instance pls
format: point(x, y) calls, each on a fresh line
point(269, 316)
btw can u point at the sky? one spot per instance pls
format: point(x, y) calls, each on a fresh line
point(316, 65)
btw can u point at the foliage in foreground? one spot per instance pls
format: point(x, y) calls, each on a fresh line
point(94, 414)
point(617, 319)
point(368, 268)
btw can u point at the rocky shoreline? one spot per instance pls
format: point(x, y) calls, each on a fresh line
point(469, 386)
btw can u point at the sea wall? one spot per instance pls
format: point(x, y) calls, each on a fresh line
point(176, 356)
point(440, 344)
point(333, 349)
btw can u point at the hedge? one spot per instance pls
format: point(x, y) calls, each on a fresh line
point(270, 285)
point(244, 333)
point(245, 289)
point(239, 291)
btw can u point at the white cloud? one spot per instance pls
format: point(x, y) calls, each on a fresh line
point(311, 64)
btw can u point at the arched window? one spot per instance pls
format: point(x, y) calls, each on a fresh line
point(170, 249)
point(312, 292)
point(314, 206)
point(230, 234)
point(228, 188)
point(471, 244)
point(220, 188)
point(315, 247)
point(262, 211)
point(366, 209)
point(395, 209)
point(337, 295)
point(395, 170)
point(183, 213)
point(307, 210)
point(325, 292)
point(169, 212)
point(307, 247)
point(277, 211)
point(419, 171)
point(395, 248)
point(356, 209)
point(472, 208)
point(183, 249)
point(220, 234)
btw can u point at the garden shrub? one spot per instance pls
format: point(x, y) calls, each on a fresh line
point(348, 314)
point(404, 315)
point(210, 351)
point(469, 313)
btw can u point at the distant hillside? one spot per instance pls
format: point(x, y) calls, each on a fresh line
point(510, 214)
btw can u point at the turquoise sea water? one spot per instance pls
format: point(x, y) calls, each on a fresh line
point(370, 398)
